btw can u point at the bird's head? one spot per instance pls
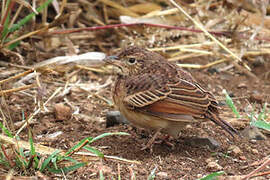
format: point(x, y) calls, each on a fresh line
point(133, 61)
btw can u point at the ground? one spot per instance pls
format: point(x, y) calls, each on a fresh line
point(184, 160)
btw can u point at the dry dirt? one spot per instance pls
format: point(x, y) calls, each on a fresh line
point(184, 161)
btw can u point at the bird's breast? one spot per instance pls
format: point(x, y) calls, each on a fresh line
point(118, 91)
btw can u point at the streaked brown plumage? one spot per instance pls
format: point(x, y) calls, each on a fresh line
point(155, 94)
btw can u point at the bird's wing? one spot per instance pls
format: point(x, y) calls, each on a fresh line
point(185, 98)
point(151, 95)
point(144, 90)
point(179, 100)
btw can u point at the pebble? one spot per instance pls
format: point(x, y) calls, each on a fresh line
point(235, 150)
point(203, 141)
point(243, 158)
point(62, 112)
point(213, 166)
point(257, 97)
point(114, 118)
point(242, 85)
point(162, 175)
point(255, 151)
point(253, 133)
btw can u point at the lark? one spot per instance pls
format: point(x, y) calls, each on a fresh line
point(158, 95)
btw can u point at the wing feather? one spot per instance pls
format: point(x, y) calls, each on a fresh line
point(170, 101)
point(144, 90)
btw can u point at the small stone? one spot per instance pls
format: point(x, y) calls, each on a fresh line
point(62, 112)
point(200, 142)
point(163, 175)
point(199, 175)
point(189, 126)
point(255, 151)
point(213, 70)
point(115, 118)
point(235, 150)
point(213, 166)
point(209, 160)
point(257, 97)
point(242, 158)
point(242, 85)
point(253, 133)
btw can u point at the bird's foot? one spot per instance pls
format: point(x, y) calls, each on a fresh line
point(152, 141)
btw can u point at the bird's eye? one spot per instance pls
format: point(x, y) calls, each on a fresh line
point(131, 60)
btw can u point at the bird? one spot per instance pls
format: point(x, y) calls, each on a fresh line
point(155, 94)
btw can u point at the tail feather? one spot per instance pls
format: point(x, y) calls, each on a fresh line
point(225, 125)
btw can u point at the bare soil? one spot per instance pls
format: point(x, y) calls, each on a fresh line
point(183, 161)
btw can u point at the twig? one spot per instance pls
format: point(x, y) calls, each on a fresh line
point(198, 66)
point(5, 64)
point(78, 148)
point(110, 26)
point(119, 7)
point(262, 173)
point(4, 92)
point(8, 52)
point(17, 76)
point(25, 36)
point(266, 163)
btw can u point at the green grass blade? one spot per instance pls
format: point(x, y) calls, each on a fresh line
point(3, 159)
point(27, 18)
point(260, 121)
point(261, 124)
point(108, 134)
point(33, 150)
point(262, 114)
point(67, 169)
point(152, 175)
point(78, 145)
point(5, 28)
point(22, 22)
point(55, 160)
point(230, 103)
point(5, 130)
point(21, 158)
point(212, 176)
point(251, 116)
point(119, 176)
point(48, 160)
point(70, 159)
point(101, 176)
point(13, 45)
point(95, 151)
point(4, 32)
point(4, 162)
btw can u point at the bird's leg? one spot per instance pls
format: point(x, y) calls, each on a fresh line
point(151, 141)
point(166, 140)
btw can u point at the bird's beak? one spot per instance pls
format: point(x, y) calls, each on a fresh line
point(113, 60)
point(117, 66)
point(110, 59)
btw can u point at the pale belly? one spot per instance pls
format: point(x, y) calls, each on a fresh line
point(146, 121)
